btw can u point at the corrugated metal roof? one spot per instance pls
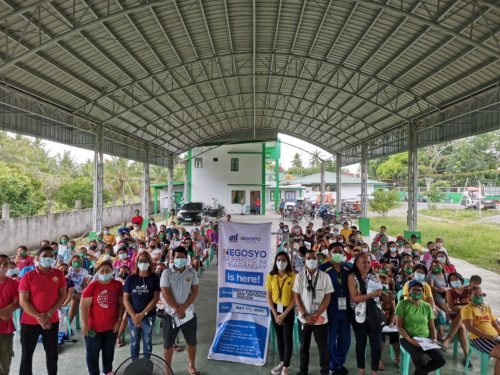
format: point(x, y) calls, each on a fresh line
point(179, 74)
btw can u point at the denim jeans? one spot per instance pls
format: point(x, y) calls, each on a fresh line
point(146, 332)
point(102, 342)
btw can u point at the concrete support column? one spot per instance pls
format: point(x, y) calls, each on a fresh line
point(186, 178)
point(146, 184)
point(322, 173)
point(338, 162)
point(5, 211)
point(277, 187)
point(170, 183)
point(412, 177)
point(97, 206)
point(364, 181)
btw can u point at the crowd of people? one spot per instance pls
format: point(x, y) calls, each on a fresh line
point(115, 283)
point(326, 278)
point(396, 291)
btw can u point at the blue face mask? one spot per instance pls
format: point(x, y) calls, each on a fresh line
point(180, 262)
point(105, 277)
point(456, 284)
point(47, 262)
point(420, 277)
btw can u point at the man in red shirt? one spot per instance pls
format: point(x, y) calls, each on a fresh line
point(8, 303)
point(257, 206)
point(137, 219)
point(23, 259)
point(41, 292)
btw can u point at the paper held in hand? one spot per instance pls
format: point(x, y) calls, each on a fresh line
point(426, 343)
point(389, 329)
point(178, 322)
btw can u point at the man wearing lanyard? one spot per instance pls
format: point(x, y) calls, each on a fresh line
point(312, 291)
point(339, 330)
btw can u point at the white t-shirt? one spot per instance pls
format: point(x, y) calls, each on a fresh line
point(323, 286)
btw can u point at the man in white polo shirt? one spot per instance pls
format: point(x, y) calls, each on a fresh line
point(312, 291)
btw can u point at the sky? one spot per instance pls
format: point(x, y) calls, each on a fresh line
point(289, 147)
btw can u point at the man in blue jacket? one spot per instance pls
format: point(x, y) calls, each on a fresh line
point(339, 329)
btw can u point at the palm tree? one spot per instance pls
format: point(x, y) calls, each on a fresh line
point(120, 176)
point(316, 159)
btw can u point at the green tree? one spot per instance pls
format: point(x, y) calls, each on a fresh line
point(316, 159)
point(21, 191)
point(122, 177)
point(297, 161)
point(383, 201)
point(394, 168)
point(77, 189)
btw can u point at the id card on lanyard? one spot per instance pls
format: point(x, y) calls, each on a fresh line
point(279, 306)
point(342, 301)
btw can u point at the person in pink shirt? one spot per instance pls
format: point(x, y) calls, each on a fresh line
point(23, 259)
point(9, 302)
point(122, 259)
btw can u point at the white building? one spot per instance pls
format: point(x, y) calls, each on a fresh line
point(351, 186)
point(230, 175)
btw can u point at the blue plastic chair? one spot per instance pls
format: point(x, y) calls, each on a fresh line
point(405, 362)
point(484, 360)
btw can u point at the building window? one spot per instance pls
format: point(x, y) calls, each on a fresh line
point(198, 162)
point(271, 196)
point(289, 196)
point(235, 164)
point(238, 196)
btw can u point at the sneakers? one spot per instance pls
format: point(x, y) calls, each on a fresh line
point(277, 370)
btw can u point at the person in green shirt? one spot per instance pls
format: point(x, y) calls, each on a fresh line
point(415, 318)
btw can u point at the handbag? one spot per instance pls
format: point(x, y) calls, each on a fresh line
point(374, 314)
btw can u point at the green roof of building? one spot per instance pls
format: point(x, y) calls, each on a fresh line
point(162, 185)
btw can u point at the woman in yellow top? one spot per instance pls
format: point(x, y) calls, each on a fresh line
point(419, 274)
point(279, 285)
point(482, 326)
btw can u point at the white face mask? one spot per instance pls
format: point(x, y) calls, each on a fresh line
point(325, 251)
point(312, 264)
point(281, 265)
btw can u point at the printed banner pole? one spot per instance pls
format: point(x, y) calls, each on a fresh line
point(243, 315)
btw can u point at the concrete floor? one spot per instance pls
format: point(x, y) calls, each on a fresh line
point(72, 356)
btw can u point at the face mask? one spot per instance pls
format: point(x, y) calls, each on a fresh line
point(325, 252)
point(437, 269)
point(338, 257)
point(143, 266)
point(441, 260)
point(383, 271)
point(105, 277)
point(64, 242)
point(364, 250)
point(161, 236)
point(456, 284)
point(171, 266)
point(180, 262)
point(141, 249)
point(123, 276)
point(281, 265)
point(92, 247)
point(123, 256)
point(71, 248)
point(336, 232)
point(11, 272)
point(393, 249)
point(106, 232)
point(47, 262)
point(312, 264)
point(340, 240)
point(477, 300)
point(420, 277)
point(416, 296)
point(136, 228)
point(76, 264)
point(81, 255)
point(408, 271)
point(23, 254)
point(384, 288)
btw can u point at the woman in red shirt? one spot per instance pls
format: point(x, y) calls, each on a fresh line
point(101, 308)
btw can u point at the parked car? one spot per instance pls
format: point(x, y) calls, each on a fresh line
point(191, 213)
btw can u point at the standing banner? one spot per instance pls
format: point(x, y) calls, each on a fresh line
point(243, 315)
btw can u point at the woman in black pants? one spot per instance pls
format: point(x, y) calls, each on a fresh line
point(279, 294)
point(362, 274)
point(415, 318)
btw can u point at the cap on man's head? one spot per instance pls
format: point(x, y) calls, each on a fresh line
point(400, 238)
point(415, 283)
point(375, 263)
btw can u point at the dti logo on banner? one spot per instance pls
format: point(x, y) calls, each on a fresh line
point(243, 315)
